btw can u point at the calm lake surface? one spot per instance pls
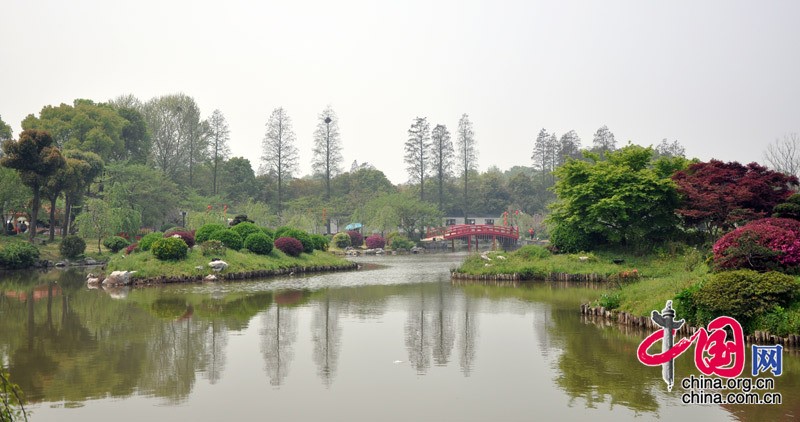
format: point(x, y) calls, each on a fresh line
point(394, 341)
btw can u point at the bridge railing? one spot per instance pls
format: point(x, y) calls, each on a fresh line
point(464, 230)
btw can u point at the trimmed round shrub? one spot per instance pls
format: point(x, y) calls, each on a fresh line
point(341, 240)
point(20, 255)
point(212, 248)
point(761, 245)
point(245, 228)
point(289, 245)
point(320, 242)
point(401, 242)
point(741, 294)
point(281, 231)
point(115, 243)
point(229, 238)
point(166, 227)
point(302, 236)
point(148, 239)
point(186, 236)
point(204, 232)
point(356, 239)
point(258, 242)
point(72, 247)
point(169, 249)
point(133, 247)
point(375, 241)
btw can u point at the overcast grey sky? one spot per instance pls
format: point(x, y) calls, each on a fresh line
point(721, 77)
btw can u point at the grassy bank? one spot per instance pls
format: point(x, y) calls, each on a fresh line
point(147, 266)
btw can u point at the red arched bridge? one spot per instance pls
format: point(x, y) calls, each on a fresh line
point(486, 232)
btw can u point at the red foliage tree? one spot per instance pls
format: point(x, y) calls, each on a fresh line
point(356, 239)
point(720, 195)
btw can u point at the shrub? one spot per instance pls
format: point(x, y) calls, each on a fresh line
point(229, 238)
point(320, 242)
point(341, 240)
point(20, 255)
point(148, 239)
point(269, 232)
point(166, 227)
point(115, 243)
point(761, 245)
point(258, 242)
point(281, 231)
point(356, 239)
point(204, 232)
point(567, 238)
point(187, 237)
point(169, 249)
point(779, 321)
point(530, 252)
point(609, 300)
point(131, 248)
point(375, 241)
point(289, 245)
point(401, 242)
point(246, 228)
point(212, 248)
point(302, 236)
point(742, 294)
point(72, 247)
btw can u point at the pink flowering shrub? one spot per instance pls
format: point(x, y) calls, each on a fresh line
point(289, 245)
point(375, 241)
point(761, 245)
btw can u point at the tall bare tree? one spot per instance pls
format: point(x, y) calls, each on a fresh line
point(443, 156)
point(218, 136)
point(328, 159)
point(280, 154)
point(670, 149)
point(783, 155)
point(467, 159)
point(418, 147)
point(569, 147)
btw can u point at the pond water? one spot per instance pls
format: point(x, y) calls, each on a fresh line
point(394, 341)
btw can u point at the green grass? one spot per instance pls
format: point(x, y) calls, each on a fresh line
point(146, 265)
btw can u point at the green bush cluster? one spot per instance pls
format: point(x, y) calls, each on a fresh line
point(568, 238)
point(341, 240)
point(169, 249)
point(18, 255)
point(245, 229)
point(72, 246)
point(742, 294)
point(610, 300)
point(206, 230)
point(258, 242)
point(400, 242)
point(115, 243)
point(212, 248)
point(320, 242)
point(147, 241)
point(229, 238)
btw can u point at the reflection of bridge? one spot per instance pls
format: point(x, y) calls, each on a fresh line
point(487, 232)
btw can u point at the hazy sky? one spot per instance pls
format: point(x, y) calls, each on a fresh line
point(721, 77)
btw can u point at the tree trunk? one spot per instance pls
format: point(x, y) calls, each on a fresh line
point(34, 213)
point(53, 218)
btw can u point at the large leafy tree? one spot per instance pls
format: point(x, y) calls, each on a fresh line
point(401, 210)
point(718, 195)
point(84, 125)
point(178, 136)
point(238, 180)
point(5, 131)
point(64, 178)
point(467, 158)
point(279, 150)
point(14, 195)
point(82, 175)
point(623, 200)
point(417, 157)
point(37, 158)
point(443, 157)
point(143, 190)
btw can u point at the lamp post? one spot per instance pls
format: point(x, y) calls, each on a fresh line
point(183, 219)
point(328, 168)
